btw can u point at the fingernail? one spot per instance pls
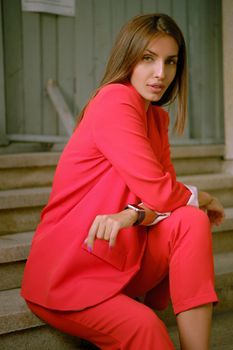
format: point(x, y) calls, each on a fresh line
point(89, 248)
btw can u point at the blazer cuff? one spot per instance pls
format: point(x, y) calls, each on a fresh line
point(160, 217)
point(193, 200)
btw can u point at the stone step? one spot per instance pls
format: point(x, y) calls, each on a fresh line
point(223, 285)
point(36, 169)
point(223, 234)
point(20, 208)
point(27, 170)
point(20, 327)
point(219, 185)
point(200, 159)
point(14, 249)
point(24, 198)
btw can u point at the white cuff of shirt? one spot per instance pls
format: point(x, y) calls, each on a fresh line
point(193, 200)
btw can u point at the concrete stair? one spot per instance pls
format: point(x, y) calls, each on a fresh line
point(25, 184)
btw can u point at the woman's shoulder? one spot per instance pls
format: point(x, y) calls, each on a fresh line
point(116, 87)
point(118, 91)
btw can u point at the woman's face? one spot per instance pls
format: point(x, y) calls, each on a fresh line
point(154, 73)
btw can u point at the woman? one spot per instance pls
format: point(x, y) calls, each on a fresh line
point(118, 225)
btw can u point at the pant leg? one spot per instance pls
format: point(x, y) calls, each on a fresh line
point(118, 323)
point(191, 260)
point(180, 245)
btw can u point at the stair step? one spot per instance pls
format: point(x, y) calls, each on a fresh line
point(219, 185)
point(30, 333)
point(19, 326)
point(20, 209)
point(41, 338)
point(19, 219)
point(37, 169)
point(209, 182)
point(15, 247)
point(27, 170)
point(223, 234)
point(28, 197)
point(24, 198)
point(14, 314)
point(198, 151)
point(197, 159)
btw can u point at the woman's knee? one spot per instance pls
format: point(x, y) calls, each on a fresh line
point(191, 218)
point(147, 321)
point(192, 214)
point(191, 224)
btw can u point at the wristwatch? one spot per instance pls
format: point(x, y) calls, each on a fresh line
point(140, 211)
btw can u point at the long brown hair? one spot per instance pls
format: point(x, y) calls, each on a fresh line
point(128, 50)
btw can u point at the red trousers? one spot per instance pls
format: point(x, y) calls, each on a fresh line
point(179, 250)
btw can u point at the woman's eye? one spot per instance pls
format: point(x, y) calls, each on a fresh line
point(171, 62)
point(147, 58)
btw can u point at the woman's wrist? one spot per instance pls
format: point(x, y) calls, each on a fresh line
point(204, 198)
point(132, 215)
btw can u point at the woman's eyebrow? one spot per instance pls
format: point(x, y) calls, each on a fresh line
point(155, 54)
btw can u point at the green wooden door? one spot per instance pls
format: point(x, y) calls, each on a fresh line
point(74, 50)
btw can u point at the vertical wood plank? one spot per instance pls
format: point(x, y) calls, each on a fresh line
point(32, 72)
point(2, 88)
point(118, 17)
point(213, 123)
point(164, 6)
point(133, 8)
point(149, 6)
point(65, 64)
point(196, 69)
point(218, 72)
point(102, 36)
point(13, 62)
point(84, 52)
point(49, 71)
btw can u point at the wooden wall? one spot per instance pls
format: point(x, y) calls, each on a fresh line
point(73, 51)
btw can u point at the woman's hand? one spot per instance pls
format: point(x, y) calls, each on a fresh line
point(212, 206)
point(107, 226)
point(215, 211)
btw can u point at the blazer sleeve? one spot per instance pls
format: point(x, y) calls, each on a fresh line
point(166, 158)
point(119, 132)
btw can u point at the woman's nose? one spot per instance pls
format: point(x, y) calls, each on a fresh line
point(159, 70)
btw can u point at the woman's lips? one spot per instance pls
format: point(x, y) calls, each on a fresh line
point(156, 87)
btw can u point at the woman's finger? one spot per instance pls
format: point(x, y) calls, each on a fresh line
point(92, 234)
point(114, 233)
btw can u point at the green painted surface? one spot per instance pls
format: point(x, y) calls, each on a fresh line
point(74, 50)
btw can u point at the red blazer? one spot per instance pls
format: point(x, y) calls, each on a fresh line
point(119, 154)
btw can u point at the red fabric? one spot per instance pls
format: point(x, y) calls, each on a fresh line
point(123, 323)
point(118, 155)
point(119, 323)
